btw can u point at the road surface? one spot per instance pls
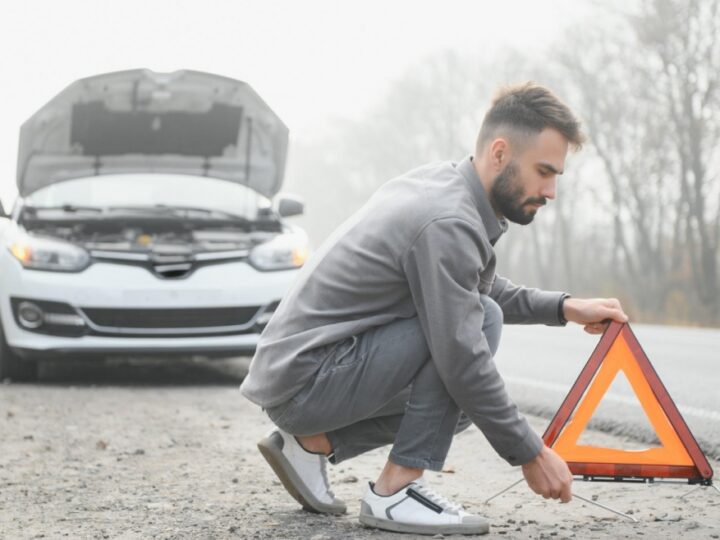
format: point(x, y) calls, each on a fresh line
point(166, 450)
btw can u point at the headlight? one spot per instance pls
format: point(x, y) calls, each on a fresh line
point(46, 254)
point(281, 253)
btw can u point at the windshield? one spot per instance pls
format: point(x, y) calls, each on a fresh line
point(131, 190)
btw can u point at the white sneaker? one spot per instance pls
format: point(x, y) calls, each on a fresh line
point(418, 509)
point(303, 473)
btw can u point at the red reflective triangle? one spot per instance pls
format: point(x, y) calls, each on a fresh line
point(678, 456)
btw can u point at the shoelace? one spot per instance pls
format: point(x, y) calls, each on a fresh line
point(437, 498)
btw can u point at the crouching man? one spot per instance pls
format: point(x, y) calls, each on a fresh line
point(388, 334)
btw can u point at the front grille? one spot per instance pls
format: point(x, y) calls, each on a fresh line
point(169, 266)
point(170, 318)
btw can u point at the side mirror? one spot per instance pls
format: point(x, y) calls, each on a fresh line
point(290, 205)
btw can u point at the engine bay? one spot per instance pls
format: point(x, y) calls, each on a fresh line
point(154, 235)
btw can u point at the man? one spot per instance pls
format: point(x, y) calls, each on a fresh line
point(388, 335)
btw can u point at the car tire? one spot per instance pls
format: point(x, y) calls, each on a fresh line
point(12, 366)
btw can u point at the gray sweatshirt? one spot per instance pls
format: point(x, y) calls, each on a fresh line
point(422, 246)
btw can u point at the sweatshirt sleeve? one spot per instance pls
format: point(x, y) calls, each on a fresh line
point(526, 305)
point(442, 269)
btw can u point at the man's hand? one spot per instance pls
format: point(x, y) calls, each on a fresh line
point(594, 312)
point(548, 475)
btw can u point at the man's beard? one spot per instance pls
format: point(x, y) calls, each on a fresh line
point(508, 196)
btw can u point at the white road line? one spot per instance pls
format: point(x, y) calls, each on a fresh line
point(685, 410)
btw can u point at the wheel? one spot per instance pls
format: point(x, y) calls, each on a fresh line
point(12, 366)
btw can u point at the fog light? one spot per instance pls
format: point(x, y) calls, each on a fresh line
point(30, 315)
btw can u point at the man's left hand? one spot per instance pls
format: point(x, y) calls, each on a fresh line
point(594, 313)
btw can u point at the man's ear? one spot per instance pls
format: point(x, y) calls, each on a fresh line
point(499, 153)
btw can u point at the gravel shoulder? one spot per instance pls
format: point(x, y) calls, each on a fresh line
point(169, 452)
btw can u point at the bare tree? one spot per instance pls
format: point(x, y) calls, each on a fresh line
point(649, 97)
point(683, 38)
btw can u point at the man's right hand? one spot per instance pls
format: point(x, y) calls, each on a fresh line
point(548, 475)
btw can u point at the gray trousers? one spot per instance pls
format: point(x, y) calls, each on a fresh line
point(381, 387)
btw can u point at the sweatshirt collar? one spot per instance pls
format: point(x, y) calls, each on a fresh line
point(495, 227)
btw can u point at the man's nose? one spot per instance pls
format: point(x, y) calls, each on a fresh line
point(549, 188)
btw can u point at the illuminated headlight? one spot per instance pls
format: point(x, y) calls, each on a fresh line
point(281, 253)
point(47, 254)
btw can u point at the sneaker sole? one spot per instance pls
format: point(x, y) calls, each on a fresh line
point(395, 526)
point(291, 481)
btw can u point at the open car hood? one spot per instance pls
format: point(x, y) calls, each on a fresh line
point(185, 122)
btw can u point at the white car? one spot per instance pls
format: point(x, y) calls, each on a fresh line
point(144, 222)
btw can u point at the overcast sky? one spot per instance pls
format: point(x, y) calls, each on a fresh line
point(310, 60)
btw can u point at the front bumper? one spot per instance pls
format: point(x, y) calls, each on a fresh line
point(60, 349)
point(117, 290)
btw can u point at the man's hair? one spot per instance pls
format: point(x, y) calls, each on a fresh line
point(521, 112)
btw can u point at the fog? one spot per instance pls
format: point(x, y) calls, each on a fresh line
point(372, 89)
point(312, 61)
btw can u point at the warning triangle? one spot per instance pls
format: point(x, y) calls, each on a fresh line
point(678, 455)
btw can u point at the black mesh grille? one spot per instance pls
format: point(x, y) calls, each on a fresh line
point(171, 318)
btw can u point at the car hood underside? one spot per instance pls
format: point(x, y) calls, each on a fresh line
point(185, 122)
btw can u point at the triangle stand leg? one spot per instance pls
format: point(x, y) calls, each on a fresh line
point(700, 487)
point(503, 491)
point(618, 512)
point(575, 495)
point(693, 490)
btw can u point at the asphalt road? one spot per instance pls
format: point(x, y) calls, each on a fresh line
point(140, 448)
point(541, 363)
